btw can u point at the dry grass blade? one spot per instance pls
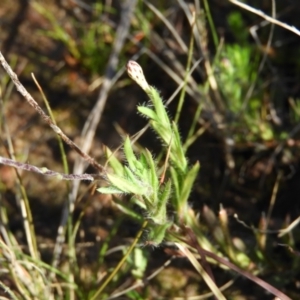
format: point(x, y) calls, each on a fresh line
point(265, 16)
point(202, 252)
point(22, 199)
point(248, 275)
point(216, 291)
point(285, 231)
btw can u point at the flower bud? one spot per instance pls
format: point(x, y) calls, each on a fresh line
point(136, 73)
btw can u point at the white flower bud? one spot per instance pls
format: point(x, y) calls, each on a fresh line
point(136, 73)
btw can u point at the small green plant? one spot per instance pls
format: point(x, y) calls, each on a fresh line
point(155, 188)
point(86, 43)
point(160, 188)
point(143, 178)
point(238, 69)
point(235, 77)
point(235, 74)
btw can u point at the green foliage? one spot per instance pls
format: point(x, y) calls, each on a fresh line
point(91, 45)
point(58, 32)
point(141, 179)
point(95, 40)
point(161, 190)
point(237, 25)
point(237, 71)
point(236, 74)
point(141, 176)
point(139, 263)
point(295, 111)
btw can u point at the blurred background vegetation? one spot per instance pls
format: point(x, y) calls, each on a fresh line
point(242, 101)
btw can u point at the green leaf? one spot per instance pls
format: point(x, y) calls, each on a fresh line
point(176, 184)
point(187, 186)
point(148, 112)
point(131, 158)
point(128, 211)
point(129, 175)
point(140, 262)
point(160, 216)
point(177, 153)
point(152, 174)
point(140, 201)
point(109, 190)
point(128, 186)
point(165, 133)
point(114, 162)
point(157, 233)
point(160, 109)
point(143, 171)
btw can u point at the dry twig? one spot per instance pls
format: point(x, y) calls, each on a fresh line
point(265, 16)
point(22, 90)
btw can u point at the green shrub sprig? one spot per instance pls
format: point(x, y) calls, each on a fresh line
point(141, 176)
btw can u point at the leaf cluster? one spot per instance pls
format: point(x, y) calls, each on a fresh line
point(142, 177)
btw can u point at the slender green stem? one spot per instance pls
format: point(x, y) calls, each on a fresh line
point(192, 131)
point(186, 76)
point(105, 246)
point(211, 23)
point(120, 264)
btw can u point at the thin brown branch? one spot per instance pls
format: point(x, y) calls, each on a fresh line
point(232, 266)
point(47, 172)
point(22, 90)
point(265, 16)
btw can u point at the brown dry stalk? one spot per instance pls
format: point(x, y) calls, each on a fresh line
point(47, 172)
point(22, 90)
point(202, 252)
point(265, 16)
